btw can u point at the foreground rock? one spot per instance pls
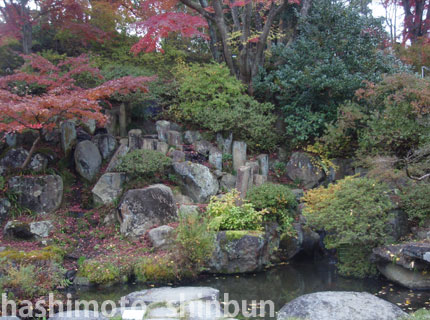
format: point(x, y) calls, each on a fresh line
point(173, 296)
point(405, 263)
point(303, 168)
point(87, 160)
point(340, 306)
point(38, 194)
point(140, 209)
point(108, 188)
point(242, 251)
point(196, 181)
point(78, 314)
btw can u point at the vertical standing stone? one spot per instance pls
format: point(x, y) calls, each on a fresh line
point(225, 143)
point(162, 127)
point(239, 154)
point(255, 167)
point(134, 139)
point(68, 136)
point(263, 160)
point(215, 158)
point(244, 176)
point(162, 147)
point(122, 120)
point(174, 138)
point(149, 144)
point(116, 158)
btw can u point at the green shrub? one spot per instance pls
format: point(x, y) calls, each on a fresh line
point(279, 201)
point(100, 272)
point(156, 269)
point(195, 240)
point(340, 54)
point(415, 202)
point(228, 215)
point(146, 163)
point(210, 98)
point(355, 214)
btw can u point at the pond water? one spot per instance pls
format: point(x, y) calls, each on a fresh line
point(282, 284)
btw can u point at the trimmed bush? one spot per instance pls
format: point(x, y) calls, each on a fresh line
point(146, 163)
point(355, 215)
point(415, 202)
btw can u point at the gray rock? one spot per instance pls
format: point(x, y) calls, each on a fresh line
point(68, 136)
point(78, 315)
point(239, 154)
point(13, 159)
point(116, 159)
point(140, 209)
point(134, 139)
point(408, 278)
point(215, 158)
point(177, 156)
point(202, 310)
point(282, 154)
point(228, 182)
point(304, 240)
point(161, 237)
point(163, 313)
point(87, 160)
point(203, 147)
point(196, 181)
point(182, 199)
point(108, 188)
point(162, 127)
point(340, 305)
point(90, 125)
point(263, 161)
point(301, 168)
point(255, 167)
point(343, 168)
point(259, 179)
point(173, 296)
point(17, 229)
point(4, 209)
point(149, 144)
point(11, 139)
point(106, 143)
point(162, 147)
point(9, 318)
point(41, 229)
point(191, 137)
point(38, 162)
point(41, 194)
point(240, 252)
point(244, 181)
point(174, 138)
point(186, 209)
point(299, 193)
point(225, 143)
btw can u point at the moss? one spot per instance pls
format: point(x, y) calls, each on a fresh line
point(50, 253)
point(232, 235)
point(100, 273)
point(156, 269)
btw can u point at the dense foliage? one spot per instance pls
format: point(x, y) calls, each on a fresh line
point(342, 50)
point(227, 214)
point(416, 204)
point(277, 199)
point(355, 214)
point(210, 98)
point(143, 163)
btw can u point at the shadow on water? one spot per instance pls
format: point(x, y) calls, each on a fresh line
point(282, 284)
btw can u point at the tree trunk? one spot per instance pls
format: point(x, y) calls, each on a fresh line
point(30, 153)
point(27, 38)
point(122, 120)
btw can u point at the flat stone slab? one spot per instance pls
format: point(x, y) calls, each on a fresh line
point(174, 296)
point(78, 314)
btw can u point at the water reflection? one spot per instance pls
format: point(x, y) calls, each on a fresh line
point(282, 284)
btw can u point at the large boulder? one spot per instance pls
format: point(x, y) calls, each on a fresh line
point(23, 230)
point(303, 167)
point(141, 209)
point(87, 160)
point(241, 251)
point(41, 194)
point(13, 159)
point(405, 263)
point(340, 305)
point(106, 143)
point(108, 188)
point(196, 181)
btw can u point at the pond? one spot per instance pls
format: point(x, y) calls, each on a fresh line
point(281, 284)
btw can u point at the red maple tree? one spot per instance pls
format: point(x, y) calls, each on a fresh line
point(61, 97)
